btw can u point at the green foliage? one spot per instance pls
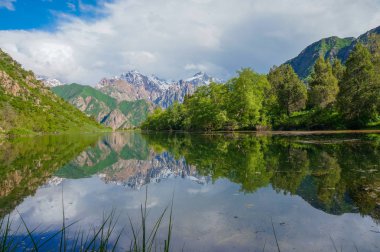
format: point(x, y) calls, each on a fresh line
point(206, 109)
point(318, 119)
point(359, 95)
point(247, 94)
point(26, 106)
point(338, 69)
point(238, 104)
point(290, 92)
point(323, 85)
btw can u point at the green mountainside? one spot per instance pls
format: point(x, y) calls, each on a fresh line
point(105, 109)
point(330, 48)
point(27, 106)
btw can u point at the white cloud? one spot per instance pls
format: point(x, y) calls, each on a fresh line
point(197, 67)
point(173, 38)
point(7, 4)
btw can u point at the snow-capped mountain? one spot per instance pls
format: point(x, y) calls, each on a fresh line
point(138, 80)
point(134, 85)
point(49, 82)
point(201, 78)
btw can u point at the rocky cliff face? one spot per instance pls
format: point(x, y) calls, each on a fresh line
point(133, 85)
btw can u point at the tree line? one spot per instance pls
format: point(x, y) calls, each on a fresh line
point(335, 96)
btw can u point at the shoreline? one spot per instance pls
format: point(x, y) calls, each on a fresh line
point(272, 132)
point(258, 132)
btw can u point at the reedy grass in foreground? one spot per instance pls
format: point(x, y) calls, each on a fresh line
point(103, 238)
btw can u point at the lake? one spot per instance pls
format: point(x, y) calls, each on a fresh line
point(230, 192)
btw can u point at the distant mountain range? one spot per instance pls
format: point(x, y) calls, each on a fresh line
point(134, 85)
point(125, 101)
point(330, 48)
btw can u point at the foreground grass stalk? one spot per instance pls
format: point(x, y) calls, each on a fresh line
point(148, 241)
point(103, 238)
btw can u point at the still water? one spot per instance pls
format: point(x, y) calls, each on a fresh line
point(230, 192)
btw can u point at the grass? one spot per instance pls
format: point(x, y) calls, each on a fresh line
point(103, 238)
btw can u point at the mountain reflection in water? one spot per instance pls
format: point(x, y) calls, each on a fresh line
point(248, 176)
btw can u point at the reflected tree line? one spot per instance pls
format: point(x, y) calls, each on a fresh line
point(336, 174)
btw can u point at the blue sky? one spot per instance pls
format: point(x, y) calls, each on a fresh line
point(42, 14)
point(85, 40)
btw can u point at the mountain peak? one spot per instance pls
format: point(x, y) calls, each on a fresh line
point(201, 78)
point(200, 74)
point(133, 85)
point(49, 82)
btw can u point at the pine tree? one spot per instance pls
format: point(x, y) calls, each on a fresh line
point(323, 85)
point(290, 92)
point(359, 90)
point(338, 69)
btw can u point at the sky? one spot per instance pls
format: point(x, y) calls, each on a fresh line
point(85, 40)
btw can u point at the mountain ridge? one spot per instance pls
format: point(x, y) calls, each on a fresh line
point(133, 85)
point(329, 48)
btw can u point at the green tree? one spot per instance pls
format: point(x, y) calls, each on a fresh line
point(359, 95)
point(247, 95)
point(205, 108)
point(323, 85)
point(175, 116)
point(338, 69)
point(290, 92)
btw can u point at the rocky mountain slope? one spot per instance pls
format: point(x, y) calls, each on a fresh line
point(103, 108)
point(133, 85)
point(27, 106)
point(330, 48)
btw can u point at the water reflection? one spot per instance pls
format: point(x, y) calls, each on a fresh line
point(128, 160)
point(27, 163)
point(337, 174)
point(227, 187)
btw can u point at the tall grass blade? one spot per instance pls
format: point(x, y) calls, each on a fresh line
point(275, 236)
point(336, 250)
